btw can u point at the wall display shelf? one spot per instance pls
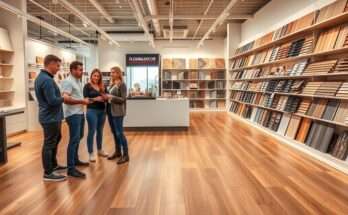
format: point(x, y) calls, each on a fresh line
point(202, 80)
point(6, 67)
point(293, 82)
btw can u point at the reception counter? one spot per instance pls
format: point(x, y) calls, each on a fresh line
point(157, 113)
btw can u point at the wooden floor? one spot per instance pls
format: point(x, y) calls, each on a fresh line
point(218, 166)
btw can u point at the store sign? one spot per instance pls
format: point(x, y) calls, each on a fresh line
point(142, 60)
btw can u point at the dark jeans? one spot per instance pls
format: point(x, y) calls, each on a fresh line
point(52, 136)
point(95, 120)
point(76, 125)
point(121, 138)
point(113, 131)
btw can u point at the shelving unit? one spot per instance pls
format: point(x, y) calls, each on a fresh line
point(297, 89)
point(6, 67)
point(196, 79)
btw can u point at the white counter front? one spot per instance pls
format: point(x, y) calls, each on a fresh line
point(157, 113)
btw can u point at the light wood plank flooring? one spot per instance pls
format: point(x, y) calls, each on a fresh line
point(219, 166)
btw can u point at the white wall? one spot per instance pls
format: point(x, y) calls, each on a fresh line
point(17, 30)
point(110, 56)
point(276, 14)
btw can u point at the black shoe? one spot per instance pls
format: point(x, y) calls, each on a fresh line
point(59, 168)
point(54, 177)
point(81, 163)
point(114, 156)
point(76, 173)
point(123, 159)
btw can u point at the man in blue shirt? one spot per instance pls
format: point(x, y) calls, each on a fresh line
point(74, 115)
point(50, 116)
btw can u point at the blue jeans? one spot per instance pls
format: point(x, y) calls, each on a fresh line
point(76, 125)
point(113, 131)
point(95, 120)
point(121, 138)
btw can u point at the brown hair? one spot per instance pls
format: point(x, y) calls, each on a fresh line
point(75, 64)
point(100, 82)
point(51, 58)
point(119, 71)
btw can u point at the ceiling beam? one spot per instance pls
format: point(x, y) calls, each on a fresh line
point(59, 17)
point(66, 4)
point(171, 21)
point(201, 21)
point(151, 4)
point(141, 21)
point(40, 22)
point(102, 10)
point(218, 21)
point(199, 17)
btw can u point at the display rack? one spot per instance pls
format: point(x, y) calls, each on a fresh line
point(293, 82)
point(202, 80)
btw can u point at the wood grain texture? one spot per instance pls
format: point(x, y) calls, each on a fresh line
point(219, 166)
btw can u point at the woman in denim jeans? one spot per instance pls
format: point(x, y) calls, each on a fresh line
point(96, 112)
point(117, 98)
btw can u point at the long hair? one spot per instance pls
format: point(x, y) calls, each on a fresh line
point(100, 82)
point(118, 71)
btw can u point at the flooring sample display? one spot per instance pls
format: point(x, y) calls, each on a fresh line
point(340, 149)
point(304, 22)
point(283, 51)
point(167, 63)
point(283, 125)
point(303, 130)
point(317, 108)
point(320, 68)
point(320, 136)
point(297, 86)
point(342, 113)
point(220, 63)
point(343, 91)
point(179, 63)
point(331, 109)
point(304, 106)
point(327, 40)
point(308, 45)
point(292, 104)
point(295, 47)
point(203, 63)
point(342, 66)
point(331, 10)
point(293, 126)
point(342, 37)
point(193, 63)
point(311, 88)
point(328, 88)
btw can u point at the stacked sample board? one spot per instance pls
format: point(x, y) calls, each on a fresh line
point(6, 78)
point(294, 81)
point(202, 80)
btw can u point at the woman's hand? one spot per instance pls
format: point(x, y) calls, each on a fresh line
point(99, 99)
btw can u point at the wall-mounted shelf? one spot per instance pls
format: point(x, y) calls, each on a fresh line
point(339, 19)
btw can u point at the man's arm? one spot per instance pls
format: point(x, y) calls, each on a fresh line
point(50, 94)
point(68, 99)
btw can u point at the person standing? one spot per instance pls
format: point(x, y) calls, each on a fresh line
point(50, 116)
point(117, 98)
point(95, 91)
point(74, 115)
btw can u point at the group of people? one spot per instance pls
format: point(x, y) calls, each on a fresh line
point(69, 103)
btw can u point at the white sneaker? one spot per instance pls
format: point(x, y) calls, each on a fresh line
point(91, 157)
point(102, 153)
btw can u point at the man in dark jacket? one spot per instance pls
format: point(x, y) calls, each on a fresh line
point(50, 116)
